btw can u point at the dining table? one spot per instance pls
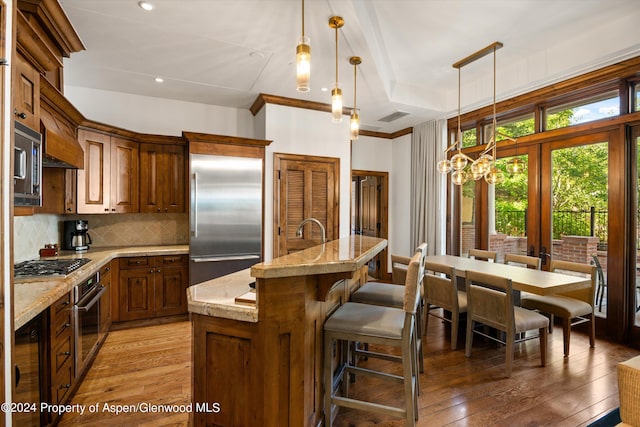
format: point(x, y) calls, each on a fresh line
point(523, 279)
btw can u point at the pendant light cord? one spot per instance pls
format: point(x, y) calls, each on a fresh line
point(303, 18)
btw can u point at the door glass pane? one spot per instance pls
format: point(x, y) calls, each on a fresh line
point(580, 210)
point(509, 233)
point(468, 216)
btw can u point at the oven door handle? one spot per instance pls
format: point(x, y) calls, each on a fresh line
point(94, 300)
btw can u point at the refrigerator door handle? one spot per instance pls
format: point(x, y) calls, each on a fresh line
point(225, 258)
point(194, 208)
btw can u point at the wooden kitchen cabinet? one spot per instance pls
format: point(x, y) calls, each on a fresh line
point(61, 351)
point(26, 93)
point(109, 182)
point(105, 300)
point(162, 178)
point(151, 287)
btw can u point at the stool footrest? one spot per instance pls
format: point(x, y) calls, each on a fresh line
point(372, 373)
point(359, 404)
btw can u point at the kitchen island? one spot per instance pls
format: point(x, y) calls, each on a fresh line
point(261, 364)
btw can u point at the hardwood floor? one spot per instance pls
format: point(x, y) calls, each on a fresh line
point(152, 365)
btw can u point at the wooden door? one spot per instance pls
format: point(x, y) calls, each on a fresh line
point(136, 292)
point(162, 178)
point(173, 178)
point(26, 94)
point(124, 176)
point(94, 180)
point(171, 290)
point(150, 175)
point(369, 209)
point(305, 187)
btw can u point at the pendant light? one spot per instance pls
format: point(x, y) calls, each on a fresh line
point(336, 22)
point(495, 175)
point(355, 117)
point(484, 165)
point(303, 60)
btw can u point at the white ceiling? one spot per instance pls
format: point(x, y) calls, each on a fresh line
point(226, 52)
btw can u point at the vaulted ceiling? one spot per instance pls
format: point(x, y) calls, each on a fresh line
point(227, 52)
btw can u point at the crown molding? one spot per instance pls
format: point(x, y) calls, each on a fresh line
point(263, 99)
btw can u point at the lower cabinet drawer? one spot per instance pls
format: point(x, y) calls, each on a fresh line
point(63, 352)
point(61, 383)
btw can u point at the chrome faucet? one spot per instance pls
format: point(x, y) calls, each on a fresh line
point(322, 230)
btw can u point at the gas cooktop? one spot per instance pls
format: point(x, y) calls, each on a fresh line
point(48, 267)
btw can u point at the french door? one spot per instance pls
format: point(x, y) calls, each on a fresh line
point(569, 204)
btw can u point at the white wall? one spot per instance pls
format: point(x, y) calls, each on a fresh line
point(400, 196)
point(301, 131)
point(160, 116)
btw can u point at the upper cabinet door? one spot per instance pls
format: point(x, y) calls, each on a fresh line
point(109, 181)
point(162, 178)
point(124, 176)
point(26, 94)
point(94, 179)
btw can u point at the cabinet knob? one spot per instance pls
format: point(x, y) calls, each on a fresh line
point(151, 271)
point(66, 325)
point(65, 302)
point(158, 209)
point(166, 210)
point(106, 209)
point(113, 209)
point(21, 115)
point(158, 271)
point(65, 386)
point(65, 353)
point(69, 209)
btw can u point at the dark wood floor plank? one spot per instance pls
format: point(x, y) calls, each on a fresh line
point(153, 364)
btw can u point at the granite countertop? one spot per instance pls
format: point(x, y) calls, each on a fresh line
point(33, 295)
point(216, 297)
point(345, 254)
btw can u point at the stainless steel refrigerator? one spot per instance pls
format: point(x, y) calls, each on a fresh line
point(225, 215)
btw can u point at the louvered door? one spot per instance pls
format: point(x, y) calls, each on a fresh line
point(307, 187)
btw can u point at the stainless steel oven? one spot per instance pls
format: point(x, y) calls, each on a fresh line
point(86, 309)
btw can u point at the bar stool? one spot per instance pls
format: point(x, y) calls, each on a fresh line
point(392, 295)
point(373, 324)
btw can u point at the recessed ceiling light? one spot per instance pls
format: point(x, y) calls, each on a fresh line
point(145, 5)
point(324, 89)
point(159, 79)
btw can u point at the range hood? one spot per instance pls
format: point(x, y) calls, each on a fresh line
point(61, 148)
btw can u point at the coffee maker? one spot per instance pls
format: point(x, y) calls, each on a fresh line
point(76, 235)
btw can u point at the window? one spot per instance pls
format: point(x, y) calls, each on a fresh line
point(583, 111)
point(469, 138)
point(636, 96)
point(513, 127)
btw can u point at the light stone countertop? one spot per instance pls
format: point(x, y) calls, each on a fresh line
point(33, 295)
point(216, 297)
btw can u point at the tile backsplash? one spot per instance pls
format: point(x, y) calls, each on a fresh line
point(32, 232)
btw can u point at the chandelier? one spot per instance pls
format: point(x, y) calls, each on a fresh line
point(484, 166)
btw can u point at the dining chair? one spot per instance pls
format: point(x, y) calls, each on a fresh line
point(399, 265)
point(441, 291)
point(602, 286)
point(574, 307)
point(483, 255)
point(392, 295)
point(374, 324)
point(490, 303)
point(523, 260)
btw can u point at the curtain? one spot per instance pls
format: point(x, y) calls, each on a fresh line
point(428, 187)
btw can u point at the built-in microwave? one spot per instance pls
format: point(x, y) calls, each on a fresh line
point(27, 175)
